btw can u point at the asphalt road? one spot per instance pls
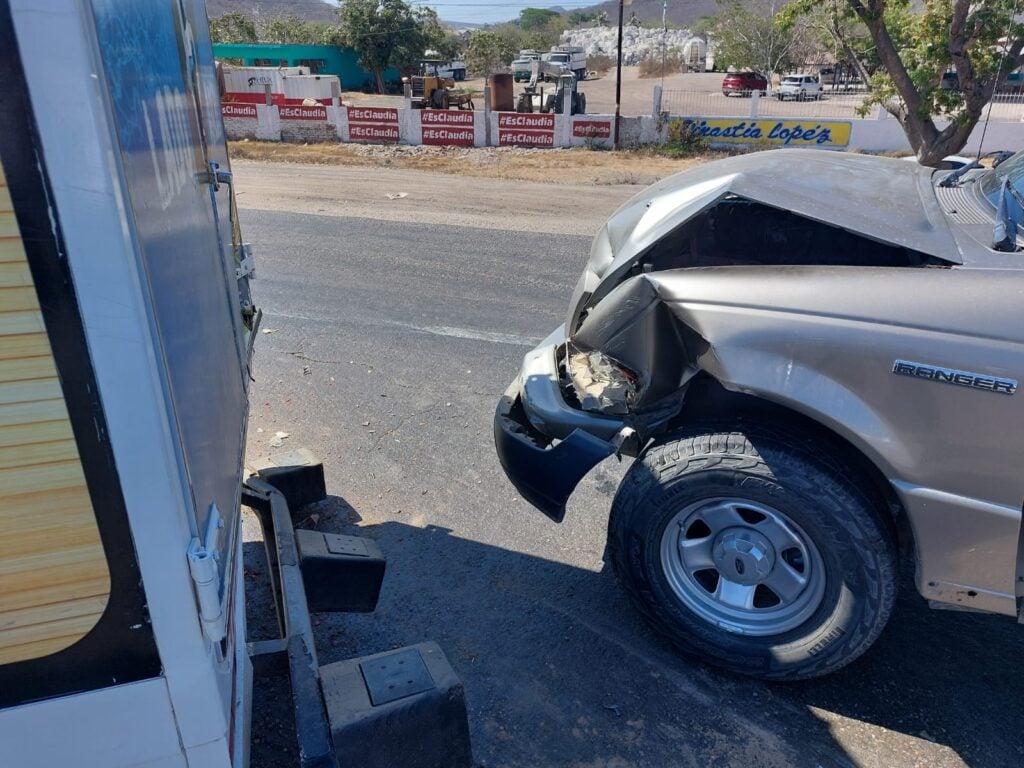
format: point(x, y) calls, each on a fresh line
point(391, 343)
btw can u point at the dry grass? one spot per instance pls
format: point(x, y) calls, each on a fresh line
point(653, 66)
point(600, 63)
point(559, 166)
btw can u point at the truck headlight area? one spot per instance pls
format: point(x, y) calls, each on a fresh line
point(600, 383)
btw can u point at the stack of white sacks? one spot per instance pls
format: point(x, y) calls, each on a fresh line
point(637, 43)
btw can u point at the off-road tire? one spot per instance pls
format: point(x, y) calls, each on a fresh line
point(839, 510)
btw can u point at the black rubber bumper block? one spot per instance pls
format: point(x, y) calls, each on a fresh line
point(340, 573)
point(301, 482)
point(400, 709)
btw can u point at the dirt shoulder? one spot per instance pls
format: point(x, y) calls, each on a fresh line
point(412, 196)
point(550, 166)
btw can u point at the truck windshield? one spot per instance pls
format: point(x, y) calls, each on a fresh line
point(992, 179)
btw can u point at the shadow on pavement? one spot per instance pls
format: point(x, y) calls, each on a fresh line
point(948, 677)
point(559, 671)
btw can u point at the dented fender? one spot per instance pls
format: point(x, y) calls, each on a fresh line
point(822, 342)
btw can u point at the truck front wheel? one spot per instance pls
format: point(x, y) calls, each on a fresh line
point(752, 550)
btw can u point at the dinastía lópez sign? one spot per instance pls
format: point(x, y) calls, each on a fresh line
point(785, 133)
point(526, 129)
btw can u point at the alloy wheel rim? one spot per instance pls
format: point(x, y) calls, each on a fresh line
point(742, 566)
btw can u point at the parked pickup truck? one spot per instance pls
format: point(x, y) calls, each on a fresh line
point(815, 359)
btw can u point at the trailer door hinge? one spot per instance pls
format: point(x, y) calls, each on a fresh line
point(246, 264)
point(204, 565)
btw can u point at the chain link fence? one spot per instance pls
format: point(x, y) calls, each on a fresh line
point(829, 105)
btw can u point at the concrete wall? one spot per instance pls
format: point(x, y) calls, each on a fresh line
point(353, 123)
point(886, 134)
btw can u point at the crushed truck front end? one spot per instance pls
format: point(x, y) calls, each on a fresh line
point(744, 293)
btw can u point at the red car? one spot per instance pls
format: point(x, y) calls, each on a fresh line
point(744, 83)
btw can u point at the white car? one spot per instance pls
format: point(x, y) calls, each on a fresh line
point(799, 87)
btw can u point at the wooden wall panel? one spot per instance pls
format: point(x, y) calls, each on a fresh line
point(54, 581)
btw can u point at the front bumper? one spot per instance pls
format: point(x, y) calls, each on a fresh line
point(544, 444)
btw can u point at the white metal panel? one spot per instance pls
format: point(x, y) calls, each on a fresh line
point(243, 672)
point(117, 727)
point(309, 86)
point(83, 164)
point(213, 754)
point(254, 79)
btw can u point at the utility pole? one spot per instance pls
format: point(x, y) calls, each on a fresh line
point(618, 81)
point(664, 38)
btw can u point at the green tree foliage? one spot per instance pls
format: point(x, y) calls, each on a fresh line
point(293, 30)
point(579, 18)
point(541, 38)
point(448, 45)
point(388, 33)
point(233, 28)
point(488, 51)
point(238, 28)
point(831, 31)
point(903, 48)
point(754, 36)
point(536, 18)
point(915, 48)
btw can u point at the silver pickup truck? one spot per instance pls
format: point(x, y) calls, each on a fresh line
point(814, 358)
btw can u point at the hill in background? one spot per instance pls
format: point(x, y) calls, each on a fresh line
point(310, 10)
point(682, 14)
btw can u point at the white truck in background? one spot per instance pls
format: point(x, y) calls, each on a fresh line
point(695, 55)
point(571, 58)
point(522, 66)
point(437, 66)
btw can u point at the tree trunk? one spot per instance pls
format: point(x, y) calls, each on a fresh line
point(378, 77)
point(928, 142)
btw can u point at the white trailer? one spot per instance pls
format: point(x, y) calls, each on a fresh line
point(255, 79)
point(321, 88)
point(126, 334)
point(454, 69)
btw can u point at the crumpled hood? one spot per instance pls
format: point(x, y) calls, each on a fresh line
point(879, 197)
point(882, 198)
